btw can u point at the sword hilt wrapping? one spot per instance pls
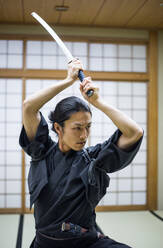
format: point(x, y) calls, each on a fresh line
point(81, 76)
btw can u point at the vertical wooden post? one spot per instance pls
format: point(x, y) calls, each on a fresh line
point(152, 122)
point(23, 154)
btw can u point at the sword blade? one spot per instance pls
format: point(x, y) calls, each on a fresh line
point(54, 35)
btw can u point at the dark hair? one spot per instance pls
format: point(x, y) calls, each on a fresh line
point(65, 108)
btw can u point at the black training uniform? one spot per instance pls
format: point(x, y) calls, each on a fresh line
point(66, 188)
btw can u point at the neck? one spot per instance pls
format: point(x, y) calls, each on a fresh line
point(63, 147)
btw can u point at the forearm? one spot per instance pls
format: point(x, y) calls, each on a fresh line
point(37, 100)
point(126, 125)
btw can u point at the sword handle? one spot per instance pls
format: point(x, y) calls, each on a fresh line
point(81, 76)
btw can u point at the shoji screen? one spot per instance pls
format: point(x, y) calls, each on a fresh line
point(10, 151)
point(128, 186)
point(11, 57)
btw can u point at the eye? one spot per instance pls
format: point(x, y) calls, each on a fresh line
point(77, 128)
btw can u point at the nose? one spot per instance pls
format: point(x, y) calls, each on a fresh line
point(84, 135)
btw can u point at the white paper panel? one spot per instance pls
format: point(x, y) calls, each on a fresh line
point(140, 157)
point(109, 88)
point(13, 187)
point(2, 172)
point(124, 184)
point(124, 65)
point(15, 61)
point(2, 144)
point(27, 201)
point(95, 64)
point(139, 51)
point(13, 201)
point(126, 172)
point(14, 86)
point(49, 62)
point(110, 199)
point(79, 48)
point(2, 187)
point(124, 51)
point(34, 62)
point(32, 86)
point(48, 48)
point(124, 88)
point(110, 64)
point(13, 172)
point(139, 171)
point(140, 116)
point(2, 101)
point(2, 156)
point(13, 143)
point(13, 158)
point(139, 198)
point(124, 102)
point(34, 47)
point(3, 46)
point(110, 50)
point(113, 185)
point(2, 201)
point(139, 184)
point(2, 129)
point(139, 89)
point(124, 199)
point(62, 62)
point(13, 129)
point(95, 50)
point(139, 102)
point(13, 101)
point(3, 61)
point(139, 65)
point(15, 47)
point(96, 129)
point(2, 85)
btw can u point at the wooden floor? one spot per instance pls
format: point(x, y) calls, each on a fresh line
point(139, 229)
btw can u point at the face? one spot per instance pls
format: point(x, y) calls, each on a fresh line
point(75, 132)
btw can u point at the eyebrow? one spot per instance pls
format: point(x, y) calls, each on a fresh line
point(79, 124)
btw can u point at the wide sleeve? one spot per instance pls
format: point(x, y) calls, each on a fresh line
point(109, 157)
point(41, 143)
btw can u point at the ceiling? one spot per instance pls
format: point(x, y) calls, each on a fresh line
point(144, 14)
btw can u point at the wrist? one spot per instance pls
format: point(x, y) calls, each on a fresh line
point(69, 80)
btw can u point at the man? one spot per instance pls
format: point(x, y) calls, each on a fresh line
point(66, 181)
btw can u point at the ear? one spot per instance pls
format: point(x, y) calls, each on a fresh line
point(57, 128)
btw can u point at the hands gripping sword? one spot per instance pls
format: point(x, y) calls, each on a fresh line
point(61, 45)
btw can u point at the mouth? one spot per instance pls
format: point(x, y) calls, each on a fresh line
point(82, 143)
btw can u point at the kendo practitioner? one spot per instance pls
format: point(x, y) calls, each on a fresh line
point(66, 181)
